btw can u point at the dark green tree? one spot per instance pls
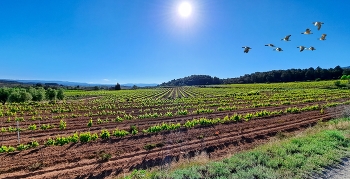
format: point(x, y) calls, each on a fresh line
point(60, 94)
point(117, 87)
point(51, 94)
point(19, 95)
point(39, 85)
point(346, 71)
point(310, 74)
point(4, 94)
point(38, 94)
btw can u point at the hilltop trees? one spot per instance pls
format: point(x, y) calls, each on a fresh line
point(346, 71)
point(194, 80)
point(288, 75)
point(309, 74)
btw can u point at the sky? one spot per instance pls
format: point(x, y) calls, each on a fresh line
point(148, 41)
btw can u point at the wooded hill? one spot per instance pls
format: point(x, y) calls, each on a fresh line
point(289, 75)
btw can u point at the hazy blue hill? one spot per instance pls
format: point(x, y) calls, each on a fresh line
point(68, 83)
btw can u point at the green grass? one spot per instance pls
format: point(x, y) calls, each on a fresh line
point(293, 157)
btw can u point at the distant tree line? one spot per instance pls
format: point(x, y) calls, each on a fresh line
point(193, 80)
point(290, 75)
point(30, 94)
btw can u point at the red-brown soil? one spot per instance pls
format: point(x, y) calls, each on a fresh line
point(128, 153)
point(80, 123)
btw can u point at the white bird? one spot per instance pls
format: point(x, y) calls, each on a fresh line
point(286, 38)
point(307, 32)
point(278, 49)
point(323, 37)
point(318, 24)
point(246, 49)
point(301, 48)
point(311, 48)
point(270, 45)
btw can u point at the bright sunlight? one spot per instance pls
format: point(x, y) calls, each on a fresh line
point(185, 9)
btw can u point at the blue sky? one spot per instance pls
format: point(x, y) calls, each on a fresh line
point(147, 41)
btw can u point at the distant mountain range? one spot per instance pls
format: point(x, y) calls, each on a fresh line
point(68, 83)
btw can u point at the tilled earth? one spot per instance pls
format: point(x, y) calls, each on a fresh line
point(128, 153)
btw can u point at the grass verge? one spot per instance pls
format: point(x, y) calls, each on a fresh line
point(292, 157)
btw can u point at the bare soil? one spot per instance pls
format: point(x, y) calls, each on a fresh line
point(128, 153)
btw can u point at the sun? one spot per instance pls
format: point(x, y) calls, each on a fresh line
point(185, 9)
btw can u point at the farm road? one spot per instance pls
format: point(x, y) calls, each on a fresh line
point(340, 171)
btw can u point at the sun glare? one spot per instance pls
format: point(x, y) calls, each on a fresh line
point(185, 9)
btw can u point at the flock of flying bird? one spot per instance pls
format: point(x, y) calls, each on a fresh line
point(286, 38)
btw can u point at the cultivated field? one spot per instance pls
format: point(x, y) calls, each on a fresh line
point(104, 133)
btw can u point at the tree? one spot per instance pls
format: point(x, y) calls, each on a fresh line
point(51, 94)
point(4, 94)
point(117, 87)
point(60, 94)
point(318, 72)
point(134, 87)
point(286, 76)
point(37, 94)
point(19, 95)
point(310, 74)
point(39, 85)
point(337, 72)
point(216, 80)
point(346, 71)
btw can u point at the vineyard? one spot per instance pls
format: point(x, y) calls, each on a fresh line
point(102, 133)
